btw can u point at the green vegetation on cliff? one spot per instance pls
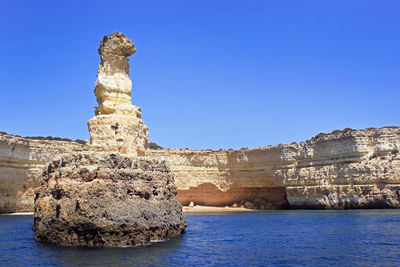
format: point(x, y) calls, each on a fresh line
point(345, 130)
point(154, 146)
point(50, 138)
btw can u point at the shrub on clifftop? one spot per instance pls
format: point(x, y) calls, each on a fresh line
point(154, 146)
point(345, 130)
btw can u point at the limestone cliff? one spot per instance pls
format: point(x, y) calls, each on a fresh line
point(356, 169)
point(359, 169)
point(219, 178)
point(349, 169)
point(21, 162)
point(117, 125)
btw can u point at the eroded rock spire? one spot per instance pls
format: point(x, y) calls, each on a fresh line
point(117, 125)
point(113, 86)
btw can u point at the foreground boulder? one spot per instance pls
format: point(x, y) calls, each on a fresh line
point(106, 200)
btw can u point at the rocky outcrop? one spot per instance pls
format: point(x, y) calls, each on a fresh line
point(106, 200)
point(117, 125)
point(21, 162)
point(102, 199)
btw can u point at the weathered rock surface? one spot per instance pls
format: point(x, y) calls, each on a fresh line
point(21, 162)
point(357, 169)
point(113, 87)
point(124, 134)
point(117, 125)
point(106, 200)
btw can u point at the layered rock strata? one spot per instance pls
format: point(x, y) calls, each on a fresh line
point(357, 169)
point(221, 178)
point(117, 125)
point(106, 200)
point(21, 162)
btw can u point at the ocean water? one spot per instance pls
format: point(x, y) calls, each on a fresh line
point(271, 238)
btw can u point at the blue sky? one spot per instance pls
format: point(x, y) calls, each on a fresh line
point(207, 74)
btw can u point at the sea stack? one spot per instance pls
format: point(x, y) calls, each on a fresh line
point(109, 196)
point(100, 199)
point(117, 124)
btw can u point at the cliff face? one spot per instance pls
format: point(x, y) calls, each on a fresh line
point(357, 169)
point(21, 162)
point(360, 169)
point(219, 178)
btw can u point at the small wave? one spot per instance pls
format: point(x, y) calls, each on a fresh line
point(158, 240)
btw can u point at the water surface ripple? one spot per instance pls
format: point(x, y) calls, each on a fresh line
point(271, 238)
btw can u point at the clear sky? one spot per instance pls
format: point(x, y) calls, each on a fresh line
point(207, 74)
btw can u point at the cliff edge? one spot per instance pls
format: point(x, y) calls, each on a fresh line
point(353, 169)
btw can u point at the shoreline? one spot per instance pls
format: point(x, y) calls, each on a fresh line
point(17, 213)
point(185, 209)
point(211, 209)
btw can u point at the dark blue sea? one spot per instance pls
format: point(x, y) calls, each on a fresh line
point(272, 238)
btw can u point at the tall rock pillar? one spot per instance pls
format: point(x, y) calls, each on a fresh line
point(117, 124)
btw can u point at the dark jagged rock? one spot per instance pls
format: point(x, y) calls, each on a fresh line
point(106, 200)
